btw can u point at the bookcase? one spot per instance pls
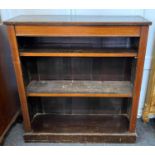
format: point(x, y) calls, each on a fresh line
point(79, 77)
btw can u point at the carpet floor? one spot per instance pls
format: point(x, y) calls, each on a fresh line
point(145, 132)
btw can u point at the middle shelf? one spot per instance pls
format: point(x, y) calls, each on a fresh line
point(78, 77)
point(79, 88)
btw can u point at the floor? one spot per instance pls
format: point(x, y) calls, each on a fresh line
point(146, 136)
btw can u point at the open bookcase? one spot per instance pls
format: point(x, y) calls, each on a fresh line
point(78, 80)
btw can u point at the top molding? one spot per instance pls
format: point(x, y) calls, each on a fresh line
point(77, 20)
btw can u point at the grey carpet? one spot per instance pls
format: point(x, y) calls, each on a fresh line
point(145, 132)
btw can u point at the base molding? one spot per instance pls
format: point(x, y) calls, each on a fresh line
point(81, 138)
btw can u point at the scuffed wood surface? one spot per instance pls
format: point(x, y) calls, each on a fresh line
point(78, 124)
point(88, 87)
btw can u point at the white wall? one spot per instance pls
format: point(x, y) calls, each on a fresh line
point(149, 14)
point(0, 15)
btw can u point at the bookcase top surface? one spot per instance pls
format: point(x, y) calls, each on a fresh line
point(76, 20)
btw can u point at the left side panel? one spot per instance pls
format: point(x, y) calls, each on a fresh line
point(19, 77)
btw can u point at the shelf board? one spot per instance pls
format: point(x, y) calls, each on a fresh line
point(79, 53)
point(66, 88)
point(79, 124)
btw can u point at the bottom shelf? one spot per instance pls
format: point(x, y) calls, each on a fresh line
point(80, 129)
point(80, 123)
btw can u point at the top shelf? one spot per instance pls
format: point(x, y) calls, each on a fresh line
point(78, 46)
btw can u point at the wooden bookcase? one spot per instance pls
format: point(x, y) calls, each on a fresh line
point(79, 77)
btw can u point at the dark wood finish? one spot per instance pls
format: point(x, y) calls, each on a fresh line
point(79, 105)
point(78, 20)
point(63, 68)
point(78, 46)
point(80, 128)
point(81, 138)
point(9, 101)
point(75, 88)
point(84, 64)
point(80, 124)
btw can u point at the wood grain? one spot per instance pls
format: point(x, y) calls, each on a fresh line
point(78, 53)
point(77, 31)
point(80, 129)
point(48, 73)
point(80, 88)
point(81, 138)
point(138, 77)
point(19, 77)
point(79, 124)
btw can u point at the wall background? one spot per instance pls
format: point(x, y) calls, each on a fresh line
point(149, 14)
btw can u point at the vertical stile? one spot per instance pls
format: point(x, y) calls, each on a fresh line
point(138, 77)
point(19, 77)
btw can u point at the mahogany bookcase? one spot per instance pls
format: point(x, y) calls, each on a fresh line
point(79, 77)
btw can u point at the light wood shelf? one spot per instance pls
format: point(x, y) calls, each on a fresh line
point(78, 53)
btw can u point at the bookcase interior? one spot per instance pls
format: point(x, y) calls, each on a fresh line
point(110, 77)
point(78, 44)
point(76, 115)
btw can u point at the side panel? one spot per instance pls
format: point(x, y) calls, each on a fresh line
point(138, 78)
point(19, 77)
